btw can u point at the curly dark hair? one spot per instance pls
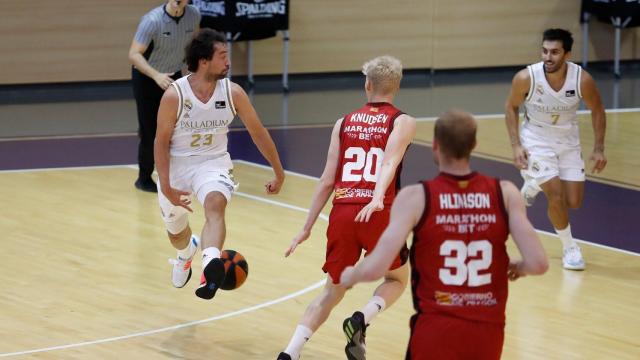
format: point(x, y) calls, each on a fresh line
point(202, 46)
point(559, 35)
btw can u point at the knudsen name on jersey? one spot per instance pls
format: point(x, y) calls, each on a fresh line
point(369, 119)
point(465, 201)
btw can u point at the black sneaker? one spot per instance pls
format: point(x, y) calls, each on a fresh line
point(146, 185)
point(212, 278)
point(284, 356)
point(355, 330)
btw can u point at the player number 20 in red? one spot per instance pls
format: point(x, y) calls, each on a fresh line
point(364, 164)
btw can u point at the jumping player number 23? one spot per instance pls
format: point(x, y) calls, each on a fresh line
point(457, 270)
point(369, 161)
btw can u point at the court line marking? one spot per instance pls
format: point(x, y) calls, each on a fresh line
point(276, 127)
point(501, 116)
point(628, 252)
point(501, 159)
point(309, 177)
point(174, 327)
point(195, 322)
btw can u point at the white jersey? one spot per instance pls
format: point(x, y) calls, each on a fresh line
point(550, 113)
point(201, 129)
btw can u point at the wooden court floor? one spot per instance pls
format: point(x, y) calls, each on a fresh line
point(85, 276)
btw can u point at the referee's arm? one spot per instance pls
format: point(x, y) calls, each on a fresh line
point(136, 58)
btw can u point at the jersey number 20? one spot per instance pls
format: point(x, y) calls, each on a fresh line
point(457, 270)
point(369, 161)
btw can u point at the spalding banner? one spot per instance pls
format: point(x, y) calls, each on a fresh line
point(245, 19)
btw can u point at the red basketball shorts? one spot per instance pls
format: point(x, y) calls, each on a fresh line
point(436, 337)
point(346, 238)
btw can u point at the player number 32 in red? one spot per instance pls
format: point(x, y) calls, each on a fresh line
point(457, 270)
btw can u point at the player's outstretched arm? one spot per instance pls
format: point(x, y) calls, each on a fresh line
point(259, 135)
point(167, 117)
point(404, 130)
point(323, 190)
point(591, 98)
point(518, 93)
point(534, 259)
point(405, 214)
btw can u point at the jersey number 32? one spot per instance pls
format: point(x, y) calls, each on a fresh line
point(457, 270)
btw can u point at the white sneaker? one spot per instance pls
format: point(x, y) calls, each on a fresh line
point(572, 258)
point(529, 191)
point(182, 267)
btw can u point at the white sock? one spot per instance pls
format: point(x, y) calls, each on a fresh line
point(375, 306)
point(209, 254)
point(300, 337)
point(188, 251)
point(565, 237)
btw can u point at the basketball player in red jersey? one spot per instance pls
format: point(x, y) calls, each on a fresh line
point(460, 220)
point(363, 166)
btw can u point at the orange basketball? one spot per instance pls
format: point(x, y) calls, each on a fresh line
point(236, 268)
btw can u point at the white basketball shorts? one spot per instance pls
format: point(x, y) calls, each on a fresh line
point(550, 157)
point(200, 176)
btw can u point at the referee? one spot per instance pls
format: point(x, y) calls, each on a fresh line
point(157, 55)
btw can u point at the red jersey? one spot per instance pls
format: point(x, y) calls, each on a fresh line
point(459, 256)
point(363, 138)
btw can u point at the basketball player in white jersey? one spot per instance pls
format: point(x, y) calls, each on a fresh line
point(192, 159)
point(546, 148)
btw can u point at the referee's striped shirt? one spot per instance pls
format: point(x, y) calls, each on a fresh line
point(166, 37)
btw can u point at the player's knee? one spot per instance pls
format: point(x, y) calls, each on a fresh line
point(555, 199)
point(177, 227)
point(574, 203)
point(399, 275)
point(329, 298)
point(214, 204)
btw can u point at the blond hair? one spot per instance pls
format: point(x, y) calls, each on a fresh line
point(384, 73)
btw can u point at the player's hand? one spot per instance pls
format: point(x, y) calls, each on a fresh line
point(365, 214)
point(178, 197)
point(301, 237)
point(347, 278)
point(599, 161)
point(273, 186)
point(163, 80)
point(514, 273)
point(520, 157)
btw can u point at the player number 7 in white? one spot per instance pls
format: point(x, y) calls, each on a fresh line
point(370, 161)
point(457, 270)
